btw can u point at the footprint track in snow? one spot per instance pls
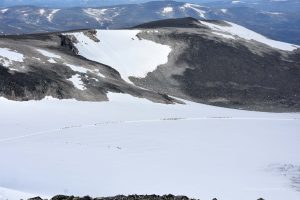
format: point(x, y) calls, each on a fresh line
point(107, 123)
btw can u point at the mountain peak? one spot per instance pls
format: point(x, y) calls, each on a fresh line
point(186, 22)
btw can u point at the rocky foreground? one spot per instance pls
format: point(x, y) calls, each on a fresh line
point(122, 197)
point(119, 197)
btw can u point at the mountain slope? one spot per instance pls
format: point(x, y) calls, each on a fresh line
point(212, 62)
point(89, 112)
point(218, 67)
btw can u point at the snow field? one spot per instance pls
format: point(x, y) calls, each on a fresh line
point(130, 145)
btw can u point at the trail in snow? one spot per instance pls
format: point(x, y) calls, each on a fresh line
point(106, 123)
point(131, 145)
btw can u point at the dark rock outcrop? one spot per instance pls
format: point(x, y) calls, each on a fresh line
point(36, 198)
point(120, 197)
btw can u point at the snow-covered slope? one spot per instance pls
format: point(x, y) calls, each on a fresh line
point(130, 145)
point(7, 194)
point(124, 51)
point(8, 56)
point(242, 32)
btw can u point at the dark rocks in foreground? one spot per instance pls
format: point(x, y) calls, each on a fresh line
point(122, 197)
point(119, 197)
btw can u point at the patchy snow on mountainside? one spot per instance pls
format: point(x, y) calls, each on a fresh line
point(242, 32)
point(236, 2)
point(124, 51)
point(8, 55)
point(4, 10)
point(224, 35)
point(48, 54)
point(84, 70)
point(95, 13)
point(133, 146)
point(196, 8)
point(167, 10)
point(272, 13)
point(42, 11)
point(77, 82)
point(51, 60)
point(77, 68)
point(223, 10)
point(51, 15)
point(11, 55)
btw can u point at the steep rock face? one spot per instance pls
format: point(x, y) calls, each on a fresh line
point(211, 62)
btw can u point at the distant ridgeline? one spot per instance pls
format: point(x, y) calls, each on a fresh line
point(276, 19)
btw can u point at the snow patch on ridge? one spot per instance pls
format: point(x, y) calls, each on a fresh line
point(97, 14)
point(77, 68)
point(236, 2)
point(272, 13)
point(48, 54)
point(4, 10)
point(224, 35)
point(51, 60)
point(8, 55)
point(51, 15)
point(84, 70)
point(77, 82)
point(223, 10)
point(167, 10)
point(42, 11)
point(124, 51)
point(242, 32)
point(196, 8)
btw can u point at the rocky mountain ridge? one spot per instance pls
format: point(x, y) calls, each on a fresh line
point(211, 62)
